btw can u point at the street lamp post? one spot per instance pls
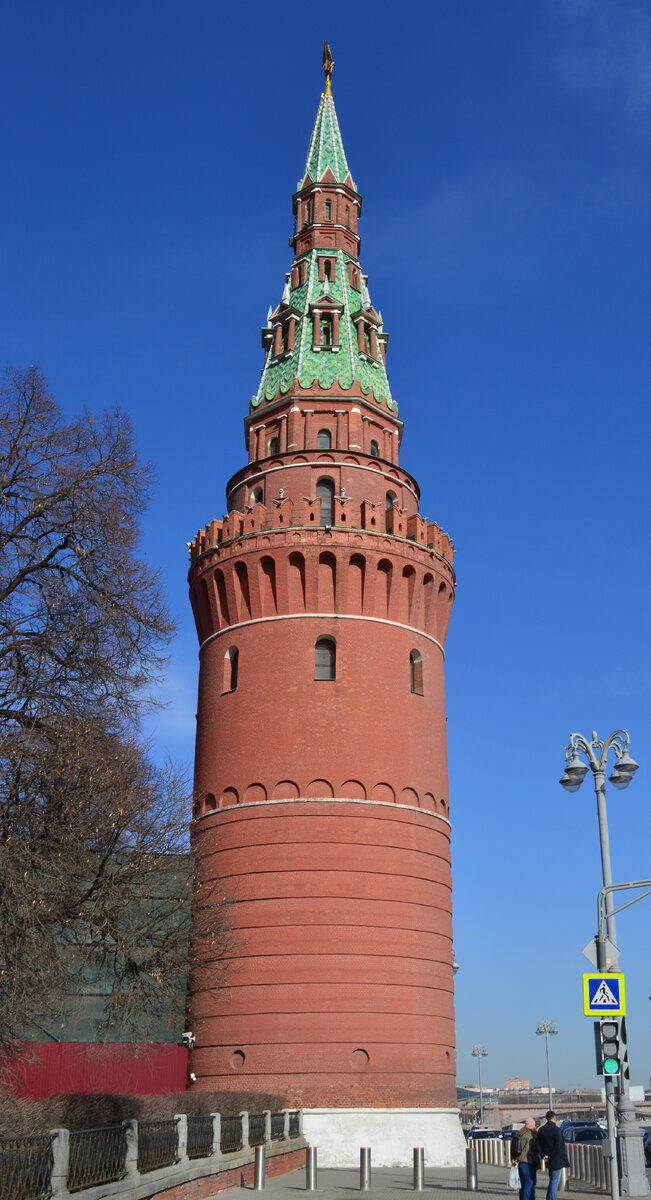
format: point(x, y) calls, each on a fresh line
point(547, 1028)
point(633, 1176)
point(480, 1052)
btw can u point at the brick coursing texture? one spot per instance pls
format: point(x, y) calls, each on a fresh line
point(321, 806)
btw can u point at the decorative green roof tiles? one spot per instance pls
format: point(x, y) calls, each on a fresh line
point(324, 364)
point(326, 148)
point(325, 330)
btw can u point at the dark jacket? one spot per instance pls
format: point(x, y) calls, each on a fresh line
point(552, 1146)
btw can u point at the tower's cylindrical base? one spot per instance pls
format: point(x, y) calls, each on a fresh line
point(391, 1134)
point(339, 987)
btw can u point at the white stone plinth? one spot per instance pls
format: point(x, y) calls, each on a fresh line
point(391, 1133)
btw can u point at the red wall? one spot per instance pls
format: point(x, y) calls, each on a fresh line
point(40, 1069)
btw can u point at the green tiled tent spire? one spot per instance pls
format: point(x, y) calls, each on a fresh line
point(356, 361)
point(326, 148)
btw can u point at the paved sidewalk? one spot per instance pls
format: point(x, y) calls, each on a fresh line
point(389, 1183)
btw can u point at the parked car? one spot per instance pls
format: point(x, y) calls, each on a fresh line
point(647, 1144)
point(482, 1132)
point(566, 1126)
point(585, 1135)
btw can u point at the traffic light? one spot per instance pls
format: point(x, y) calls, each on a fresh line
point(610, 1046)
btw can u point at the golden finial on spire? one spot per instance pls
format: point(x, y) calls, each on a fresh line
point(327, 64)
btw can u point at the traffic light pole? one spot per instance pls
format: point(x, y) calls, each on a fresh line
point(630, 1145)
point(609, 1082)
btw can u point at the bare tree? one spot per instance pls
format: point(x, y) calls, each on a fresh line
point(95, 879)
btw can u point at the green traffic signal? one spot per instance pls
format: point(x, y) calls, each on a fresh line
point(610, 1044)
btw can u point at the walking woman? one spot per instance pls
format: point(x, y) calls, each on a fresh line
point(524, 1152)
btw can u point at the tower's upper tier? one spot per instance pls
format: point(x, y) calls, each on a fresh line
point(325, 333)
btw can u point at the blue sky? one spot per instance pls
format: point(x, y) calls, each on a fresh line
point(503, 151)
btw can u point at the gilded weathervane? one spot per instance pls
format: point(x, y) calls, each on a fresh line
point(327, 64)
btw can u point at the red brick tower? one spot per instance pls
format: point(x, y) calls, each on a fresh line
point(322, 602)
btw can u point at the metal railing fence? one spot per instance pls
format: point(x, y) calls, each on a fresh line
point(199, 1137)
point(494, 1151)
point(277, 1126)
point(158, 1144)
point(590, 1164)
point(231, 1135)
point(25, 1167)
point(257, 1130)
point(587, 1163)
point(96, 1156)
point(30, 1167)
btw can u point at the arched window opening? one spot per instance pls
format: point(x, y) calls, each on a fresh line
point(325, 658)
point(416, 672)
point(326, 331)
point(328, 210)
point(256, 496)
point(375, 449)
point(347, 217)
point(231, 659)
point(274, 445)
point(325, 492)
point(327, 269)
point(384, 572)
point(391, 499)
point(324, 439)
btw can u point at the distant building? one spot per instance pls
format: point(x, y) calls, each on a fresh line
point(516, 1085)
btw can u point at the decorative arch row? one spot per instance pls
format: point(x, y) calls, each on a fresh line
point(321, 789)
point(287, 582)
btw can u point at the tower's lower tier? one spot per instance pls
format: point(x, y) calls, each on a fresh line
point(390, 1133)
point(338, 990)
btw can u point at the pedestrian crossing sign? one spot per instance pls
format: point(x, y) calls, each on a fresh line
point(603, 994)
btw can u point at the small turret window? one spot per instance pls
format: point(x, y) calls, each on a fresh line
point(327, 269)
point(375, 449)
point(256, 496)
point(325, 658)
point(347, 217)
point(326, 331)
point(391, 499)
point(324, 440)
point(325, 492)
point(328, 210)
point(273, 445)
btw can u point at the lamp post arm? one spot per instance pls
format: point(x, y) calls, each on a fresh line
point(578, 742)
point(619, 739)
point(601, 906)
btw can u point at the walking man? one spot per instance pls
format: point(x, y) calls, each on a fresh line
point(552, 1148)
